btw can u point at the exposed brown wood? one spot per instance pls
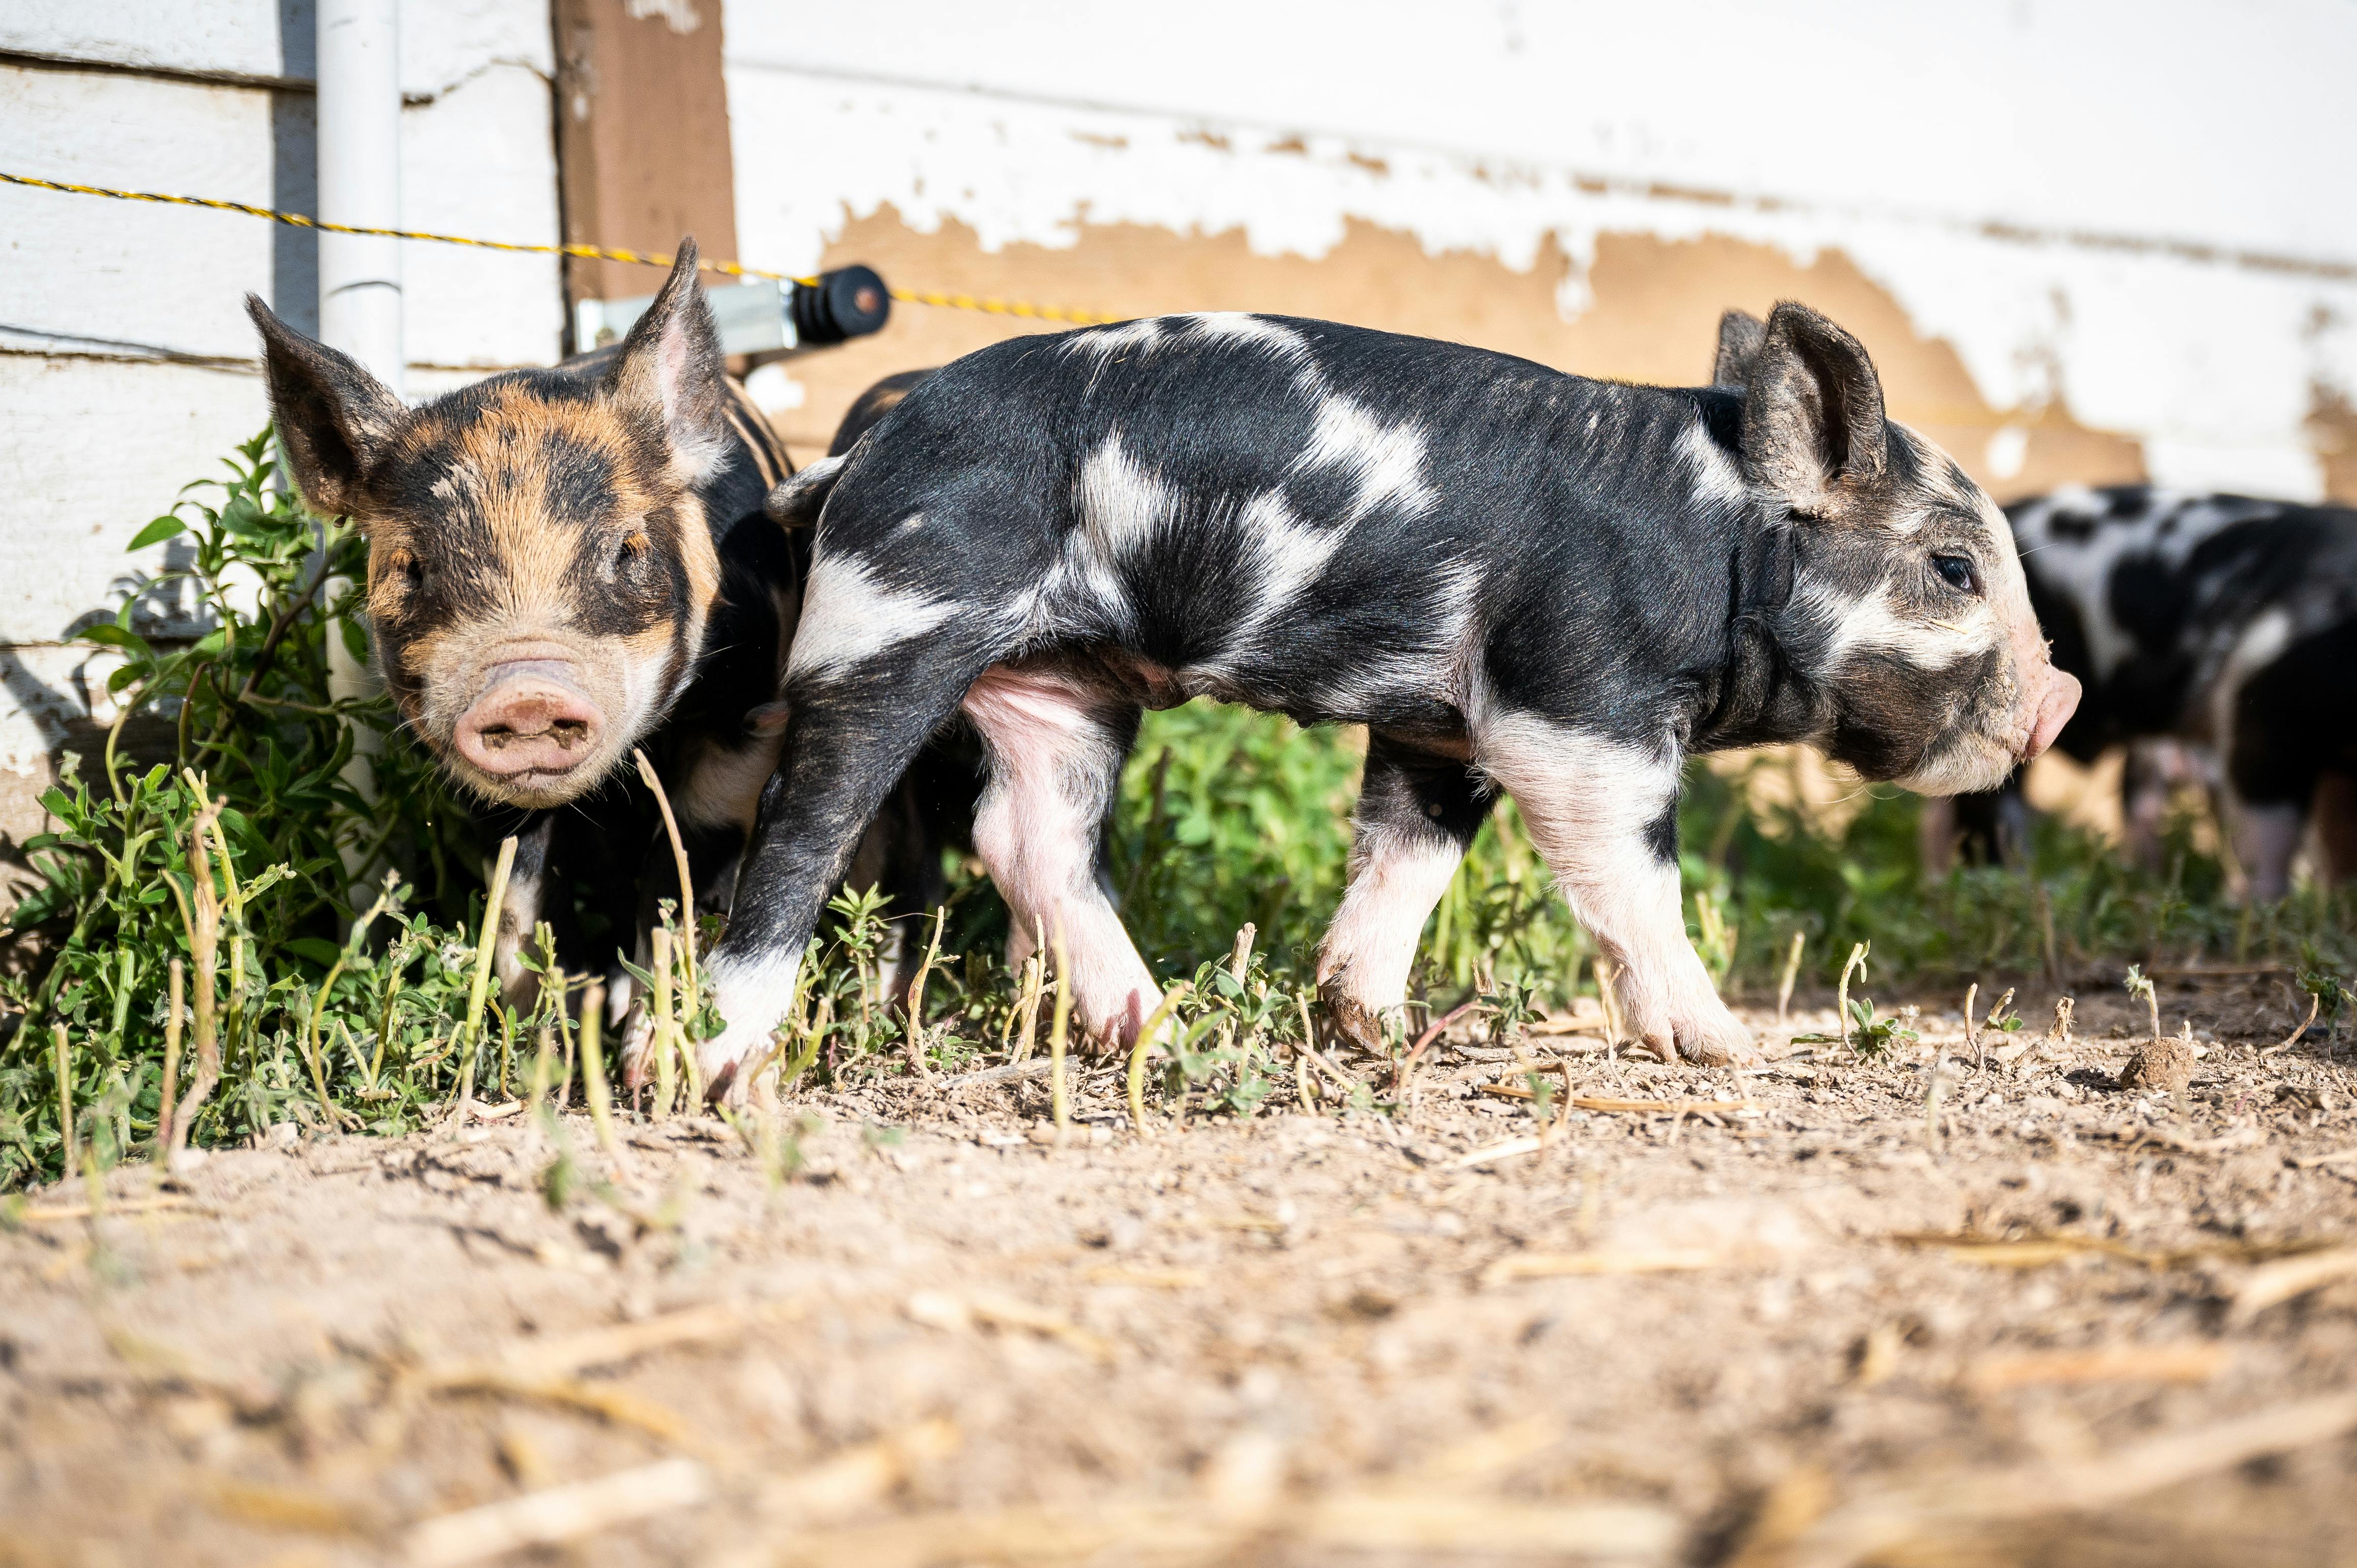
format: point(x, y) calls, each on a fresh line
point(641, 137)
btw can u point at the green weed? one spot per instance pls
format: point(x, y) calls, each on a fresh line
point(328, 942)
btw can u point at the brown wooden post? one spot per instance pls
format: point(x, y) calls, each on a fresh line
point(642, 138)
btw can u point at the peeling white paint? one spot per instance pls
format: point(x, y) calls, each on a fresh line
point(2129, 207)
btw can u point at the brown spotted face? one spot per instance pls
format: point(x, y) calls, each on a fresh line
point(539, 565)
point(539, 575)
point(1910, 610)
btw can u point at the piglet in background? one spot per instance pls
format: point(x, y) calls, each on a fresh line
point(2216, 636)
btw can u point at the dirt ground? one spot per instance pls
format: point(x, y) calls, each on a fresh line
point(1789, 1324)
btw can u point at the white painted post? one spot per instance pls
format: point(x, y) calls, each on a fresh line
point(360, 275)
point(360, 181)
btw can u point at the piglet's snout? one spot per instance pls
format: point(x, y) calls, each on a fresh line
point(529, 719)
point(2054, 710)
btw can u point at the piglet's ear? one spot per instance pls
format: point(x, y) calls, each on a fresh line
point(669, 371)
point(1812, 423)
point(1740, 334)
point(334, 419)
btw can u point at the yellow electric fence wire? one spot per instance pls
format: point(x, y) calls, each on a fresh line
point(934, 298)
point(588, 252)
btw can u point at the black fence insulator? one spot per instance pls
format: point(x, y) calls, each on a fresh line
point(850, 302)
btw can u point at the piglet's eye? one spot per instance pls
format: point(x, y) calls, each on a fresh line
point(1957, 573)
point(626, 554)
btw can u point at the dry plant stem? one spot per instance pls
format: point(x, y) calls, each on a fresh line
point(666, 1070)
point(1240, 960)
point(164, 1107)
point(320, 1001)
point(678, 863)
point(1608, 999)
point(2315, 1001)
point(1791, 973)
point(1034, 979)
point(1841, 993)
point(1145, 1043)
point(916, 1034)
point(2046, 924)
point(201, 911)
point(1303, 1084)
point(65, 1099)
point(593, 1072)
point(1972, 1029)
point(1424, 1041)
point(470, 1027)
point(1057, 1097)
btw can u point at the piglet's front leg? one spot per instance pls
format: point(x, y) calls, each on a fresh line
point(1603, 812)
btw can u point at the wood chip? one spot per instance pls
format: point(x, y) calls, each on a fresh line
point(615, 1406)
point(1008, 1072)
point(2338, 1158)
point(1659, 1107)
point(2196, 1362)
point(2034, 1252)
point(938, 1309)
point(1557, 1265)
point(50, 1214)
point(285, 1508)
point(567, 1355)
point(1420, 1522)
point(557, 1514)
point(2271, 1285)
point(1149, 1279)
point(1881, 1525)
point(858, 1476)
point(1513, 1148)
point(2179, 1140)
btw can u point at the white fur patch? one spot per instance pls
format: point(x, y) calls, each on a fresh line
point(849, 616)
point(1395, 881)
point(1386, 460)
point(1120, 503)
point(1106, 342)
point(1242, 327)
point(1287, 555)
point(752, 996)
point(1870, 620)
point(1711, 469)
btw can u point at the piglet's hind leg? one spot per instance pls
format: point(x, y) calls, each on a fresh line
point(1055, 752)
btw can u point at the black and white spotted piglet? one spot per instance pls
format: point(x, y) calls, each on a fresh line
point(2217, 637)
point(1518, 580)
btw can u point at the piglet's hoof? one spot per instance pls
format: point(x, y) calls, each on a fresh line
point(1717, 1042)
point(1352, 1021)
point(638, 1034)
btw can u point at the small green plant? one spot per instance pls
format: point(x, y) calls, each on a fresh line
point(1868, 1036)
point(2142, 989)
point(221, 827)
